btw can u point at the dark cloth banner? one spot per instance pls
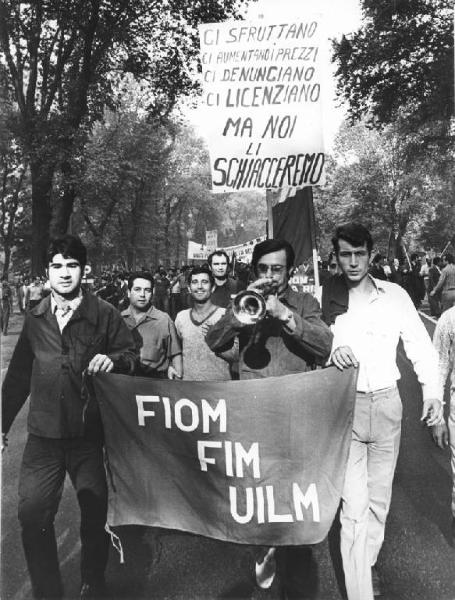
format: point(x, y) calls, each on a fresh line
point(254, 462)
point(293, 221)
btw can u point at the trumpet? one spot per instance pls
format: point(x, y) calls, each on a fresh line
point(249, 306)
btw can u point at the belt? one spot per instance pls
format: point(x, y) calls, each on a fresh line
point(380, 391)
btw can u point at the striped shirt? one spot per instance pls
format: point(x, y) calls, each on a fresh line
point(443, 340)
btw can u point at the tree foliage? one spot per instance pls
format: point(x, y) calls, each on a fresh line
point(402, 56)
point(145, 183)
point(379, 179)
point(63, 59)
point(14, 186)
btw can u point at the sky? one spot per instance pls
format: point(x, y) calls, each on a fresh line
point(340, 17)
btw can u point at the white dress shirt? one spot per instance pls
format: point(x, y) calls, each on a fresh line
point(373, 329)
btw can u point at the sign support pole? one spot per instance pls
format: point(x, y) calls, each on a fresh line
point(268, 198)
point(313, 241)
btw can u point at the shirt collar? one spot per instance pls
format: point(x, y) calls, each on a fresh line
point(378, 285)
point(69, 305)
point(149, 314)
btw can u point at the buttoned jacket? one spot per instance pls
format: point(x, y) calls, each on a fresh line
point(48, 365)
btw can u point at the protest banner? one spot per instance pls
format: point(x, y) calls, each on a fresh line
point(243, 252)
point(255, 462)
point(197, 251)
point(263, 93)
point(211, 240)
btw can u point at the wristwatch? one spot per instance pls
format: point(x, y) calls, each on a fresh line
point(288, 317)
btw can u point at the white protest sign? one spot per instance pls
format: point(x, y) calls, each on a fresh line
point(263, 99)
point(243, 252)
point(211, 240)
point(197, 251)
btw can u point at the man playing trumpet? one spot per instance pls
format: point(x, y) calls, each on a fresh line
point(284, 335)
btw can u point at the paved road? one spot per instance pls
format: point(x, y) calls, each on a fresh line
point(417, 561)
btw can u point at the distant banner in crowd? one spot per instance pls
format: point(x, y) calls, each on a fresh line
point(239, 461)
point(211, 240)
point(263, 95)
point(243, 252)
point(197, 251)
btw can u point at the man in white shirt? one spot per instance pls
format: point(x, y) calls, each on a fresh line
point(374, 315)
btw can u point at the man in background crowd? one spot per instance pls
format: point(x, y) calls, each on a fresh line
point(446, 283)
point(377, 267)
point(35, 293)
point(183, 287)
point(174, 300)
point(161, 290)
point(226, 287)
point(153, 331)
point(413, 281)
point(434, 300)
point(22, 294)
point(6, 306)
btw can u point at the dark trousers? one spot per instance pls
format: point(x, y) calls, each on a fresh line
point(44, 466)
point(5, 314)
point(161, 303)
point(435, 305)
point(174, 305)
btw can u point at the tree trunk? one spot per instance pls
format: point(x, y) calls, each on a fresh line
point(166, 231)
point(41, 214)
point(64, 208)
point(179, 237)
point(6, 264)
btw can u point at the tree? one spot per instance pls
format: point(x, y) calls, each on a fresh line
point(402, 56)
point(62, 58)
point(145, 185)
point(378, 179)
point(14, 186)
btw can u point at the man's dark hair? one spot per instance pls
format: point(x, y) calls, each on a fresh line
point(414, 256)
point(198, 270)
point(69, 246)
point(140, 275)
point(353, 233)
point(377, 258)
point(449, 258)
point(436, 260)
point(268, 246)
point(217, 253)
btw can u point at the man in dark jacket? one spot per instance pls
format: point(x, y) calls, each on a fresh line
point(67, 334)
point(291, 338)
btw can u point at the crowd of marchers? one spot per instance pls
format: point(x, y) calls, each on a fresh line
point(424, 278)
point(187, 324)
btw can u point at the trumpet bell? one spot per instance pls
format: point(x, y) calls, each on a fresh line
point(249, 307)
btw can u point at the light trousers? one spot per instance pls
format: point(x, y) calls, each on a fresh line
point(368, 486)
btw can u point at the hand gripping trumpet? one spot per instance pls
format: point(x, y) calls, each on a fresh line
point(249, 305)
